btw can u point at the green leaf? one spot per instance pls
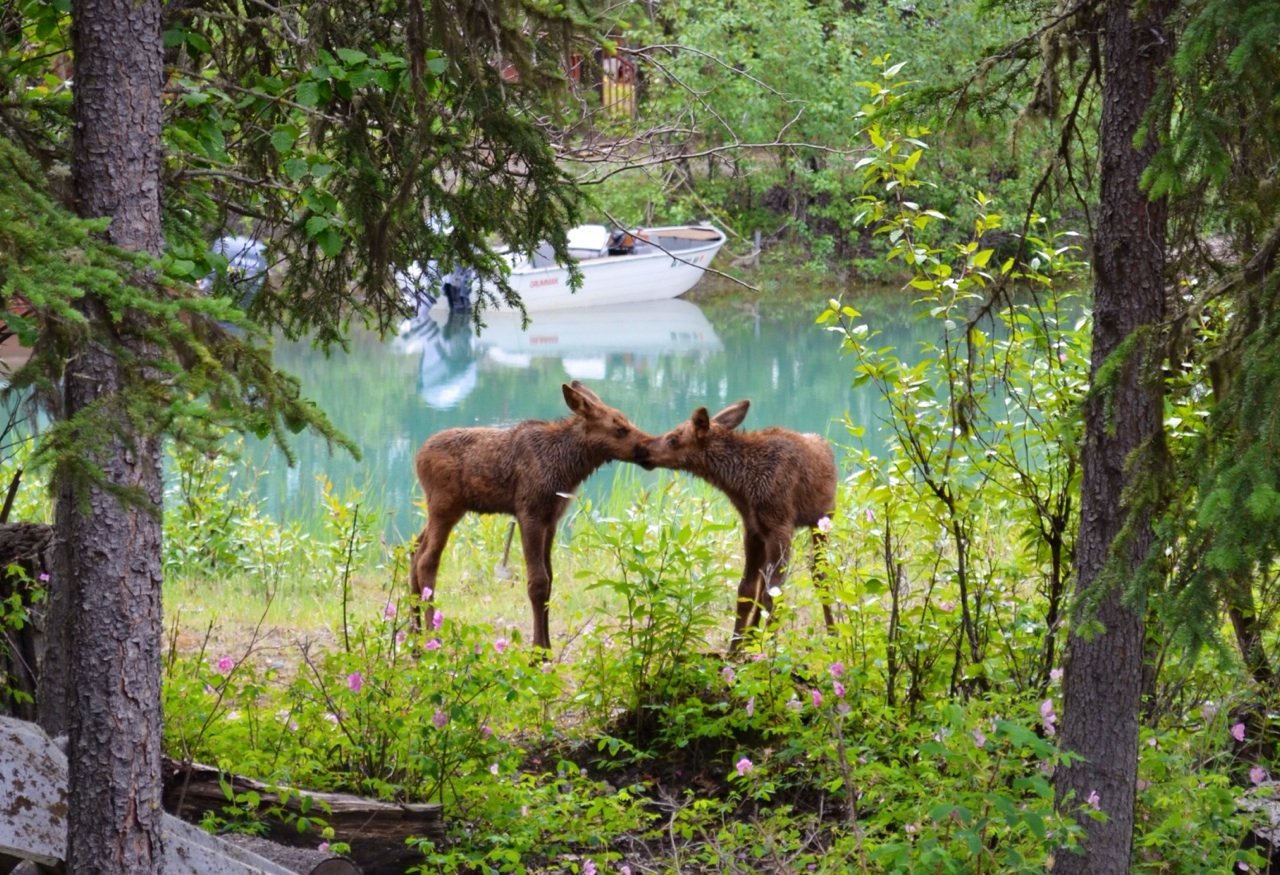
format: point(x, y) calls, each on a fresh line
point(308, 93)
point(330, 242)
point(352, 57)
point(283, 138)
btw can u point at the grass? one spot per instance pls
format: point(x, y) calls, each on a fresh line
point(288, 601)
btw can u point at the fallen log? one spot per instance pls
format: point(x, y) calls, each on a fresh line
point(33, 818)
point(376, 831)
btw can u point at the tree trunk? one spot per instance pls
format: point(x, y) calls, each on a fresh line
point(110, 564)
point(1123, 431)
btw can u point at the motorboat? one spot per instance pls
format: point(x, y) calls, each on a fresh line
point(617, 267)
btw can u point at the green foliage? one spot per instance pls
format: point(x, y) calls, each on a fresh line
point(670, 587)
point(763, 95)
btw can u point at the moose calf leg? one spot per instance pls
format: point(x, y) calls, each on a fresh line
point(426, 565)
point(535, 538)
point(752, 591)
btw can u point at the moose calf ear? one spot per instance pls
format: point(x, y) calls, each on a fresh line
point(573, 397)
point(701, 423)
point(732, 416)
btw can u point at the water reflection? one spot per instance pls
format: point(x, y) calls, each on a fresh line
point(584, 341)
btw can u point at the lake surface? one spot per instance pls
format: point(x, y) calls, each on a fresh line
point(656, 361)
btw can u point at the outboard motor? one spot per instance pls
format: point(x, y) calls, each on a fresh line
point(457, 287)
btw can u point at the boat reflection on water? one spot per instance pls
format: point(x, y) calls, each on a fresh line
point(583, 339)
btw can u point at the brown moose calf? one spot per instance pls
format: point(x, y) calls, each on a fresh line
point(530, 471)
point(777, 479)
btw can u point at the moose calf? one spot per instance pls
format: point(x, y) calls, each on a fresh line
point(530, 471)
point(777, 479)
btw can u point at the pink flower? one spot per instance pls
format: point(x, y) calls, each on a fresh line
point(485, 731)
point(727, 674)
point(437, 619)
point(43, 577)
point(871, 515)
point(500, 645)
point(225, 665)
point(1257, 774)
point(750, 706)
point(837, 669)
point(744, 766)
point(433, 644)
point(588, 867)
point(947, 606)
point(323, 846)
point(493, 769)
point(1237, 732)
point(401, 636)
point(837, 688)
point(816, 695)
point(389, 612)
point(427, 593)
point(1093, 800)
point(439, 719)
point(1055, 674)
point(824, 524)
point(355, 681)
point(979, 738)
point(1049, 718)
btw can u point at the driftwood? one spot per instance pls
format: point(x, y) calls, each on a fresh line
point(24, 545)
point(33, 818)
point(375, 830)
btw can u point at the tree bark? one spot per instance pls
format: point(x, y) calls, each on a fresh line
point(1123, 430)
point(110, 564)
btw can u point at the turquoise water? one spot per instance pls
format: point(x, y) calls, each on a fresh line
point(656, 362)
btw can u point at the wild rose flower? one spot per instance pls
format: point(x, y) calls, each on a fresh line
point(500, 645)
point(1049, 718)
point(1257, 774)
point(433, 644)
point(1237, 732)
point(225, 664)
point(744, 766)
point(355, 681)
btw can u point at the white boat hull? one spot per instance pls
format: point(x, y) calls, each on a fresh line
point(665, 263)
